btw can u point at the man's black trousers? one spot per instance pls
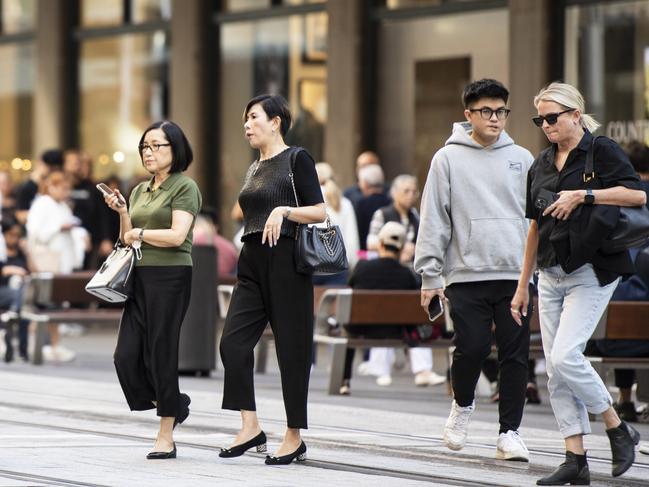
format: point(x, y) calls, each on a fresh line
point(475, 308)
point(269, 290)
point(146, 356)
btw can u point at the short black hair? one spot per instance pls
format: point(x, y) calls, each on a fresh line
point(484, 88)
point(274, 106)
point(8, 223)
point(53, 158)
point(638, 155)
point(181, 151)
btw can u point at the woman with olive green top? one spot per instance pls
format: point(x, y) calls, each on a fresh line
point(159, 221)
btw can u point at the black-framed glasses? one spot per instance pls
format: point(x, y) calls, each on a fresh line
point(153, 147)
point(486, 113)
point(551, 118)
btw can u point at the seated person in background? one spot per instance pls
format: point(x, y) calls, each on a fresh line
point(370, 179)
point(13, 272)
point(404, 195)
point(206, 233)
point(633, 289)
point(387, 273)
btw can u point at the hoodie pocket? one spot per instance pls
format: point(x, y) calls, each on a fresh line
point(495, 242)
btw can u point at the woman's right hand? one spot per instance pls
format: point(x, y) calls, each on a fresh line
point(116, 202)
point(519, 304)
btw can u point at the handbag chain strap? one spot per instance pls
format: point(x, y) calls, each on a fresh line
point(294, 153)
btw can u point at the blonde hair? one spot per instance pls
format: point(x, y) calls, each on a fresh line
point(332, 193)
point(568, 97)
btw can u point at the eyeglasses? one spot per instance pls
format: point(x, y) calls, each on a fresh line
point(486, 113)
point(153, 147)
point(551, 118)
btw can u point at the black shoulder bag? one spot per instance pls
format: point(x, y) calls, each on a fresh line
point(318, 251)
point(632, 229)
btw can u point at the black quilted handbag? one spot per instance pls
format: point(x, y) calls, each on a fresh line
point(318, 251)
point(632, 229)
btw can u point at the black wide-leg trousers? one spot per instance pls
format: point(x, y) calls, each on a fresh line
point(146, 356)
point(269, 290)
point(475, 308)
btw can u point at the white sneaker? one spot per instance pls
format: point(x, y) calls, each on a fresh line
point(644, 448)
point(428, 378)
point(510, 446)
point(384, 380)
point(58, 354)
point(455, 430)
point(363, 368)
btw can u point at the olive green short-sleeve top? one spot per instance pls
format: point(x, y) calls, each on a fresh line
point(151, 210)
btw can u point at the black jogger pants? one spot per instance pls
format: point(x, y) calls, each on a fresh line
point(475, 308)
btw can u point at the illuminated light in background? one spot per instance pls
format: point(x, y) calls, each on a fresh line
point(27, 165)
point(119, 157)
point(17, 163)
point(104, 159)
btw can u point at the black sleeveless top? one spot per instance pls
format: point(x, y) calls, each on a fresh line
point(268, 185)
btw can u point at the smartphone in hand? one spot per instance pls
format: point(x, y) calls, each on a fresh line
point(106, 191)
point(435, 308)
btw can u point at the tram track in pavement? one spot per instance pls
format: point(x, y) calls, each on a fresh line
point(392, 451)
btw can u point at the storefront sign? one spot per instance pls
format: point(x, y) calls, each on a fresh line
point(624, 131)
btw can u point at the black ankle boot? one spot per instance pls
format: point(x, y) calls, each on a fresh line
point(573, 471)
point(623, 440)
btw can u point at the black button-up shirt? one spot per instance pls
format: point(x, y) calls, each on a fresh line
point(612, 168)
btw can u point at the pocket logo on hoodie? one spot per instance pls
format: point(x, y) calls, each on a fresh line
point(515, 166)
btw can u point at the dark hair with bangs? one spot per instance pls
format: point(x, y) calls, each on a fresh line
point(484, 88)
point(274, 106)
point(181, 151)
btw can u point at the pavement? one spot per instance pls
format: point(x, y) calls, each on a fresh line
point(68, 425)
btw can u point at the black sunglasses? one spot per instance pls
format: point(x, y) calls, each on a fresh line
point(551, 118)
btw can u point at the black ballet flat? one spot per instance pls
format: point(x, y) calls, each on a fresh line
point(298, 455)
point(185, 401)
point(258, 441)
point(162, 455)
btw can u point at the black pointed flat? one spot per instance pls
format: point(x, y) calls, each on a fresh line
point(298, 455)
point(185, 401)
point(258, 441)
point(162, 455)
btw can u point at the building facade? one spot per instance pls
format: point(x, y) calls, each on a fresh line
point(359, 74)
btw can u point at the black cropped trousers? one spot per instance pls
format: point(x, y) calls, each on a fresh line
point(269, 290)
point(146, 355)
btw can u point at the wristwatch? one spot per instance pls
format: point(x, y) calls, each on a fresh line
point(141, 235)
point(589, 199)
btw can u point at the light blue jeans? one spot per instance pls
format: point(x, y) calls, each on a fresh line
point(570, 306)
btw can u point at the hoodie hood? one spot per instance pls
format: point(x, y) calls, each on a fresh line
point(462, 136)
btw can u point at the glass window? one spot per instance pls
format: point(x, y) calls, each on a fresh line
point(607, 58)
point(420, 82)
point(271, 56)
point(239, 5)
point(150, 10)
point(100, 13)
point(18, 15)
point(395, 4)
point(16, 101)
point(124, 86)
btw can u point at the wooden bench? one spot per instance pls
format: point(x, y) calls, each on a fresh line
point(369, 307)
point(623, 320)
point(62, 298)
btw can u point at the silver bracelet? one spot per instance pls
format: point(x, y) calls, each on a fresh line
point(288, 212)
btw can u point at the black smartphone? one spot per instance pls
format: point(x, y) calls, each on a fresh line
point(435, 308)
point(545, 198)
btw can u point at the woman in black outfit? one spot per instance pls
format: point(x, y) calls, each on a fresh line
point(269, 289)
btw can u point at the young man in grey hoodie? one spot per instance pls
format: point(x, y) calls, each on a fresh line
point(470, 250)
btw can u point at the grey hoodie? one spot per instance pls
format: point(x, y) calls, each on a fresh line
point(473, 225)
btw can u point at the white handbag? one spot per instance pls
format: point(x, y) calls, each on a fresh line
point(113, 282)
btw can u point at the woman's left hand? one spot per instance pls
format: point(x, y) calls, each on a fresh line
point(131, 236)
point(565, 205)
point(273, 226)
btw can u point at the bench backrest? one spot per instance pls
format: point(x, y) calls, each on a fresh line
point(363, 307)
point(56, 289)
point(627, 320)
